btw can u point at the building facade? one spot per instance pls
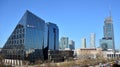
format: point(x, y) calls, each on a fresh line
point(60, 55)
point(107, 42)
point(88, 53)
point(71, 45)
point(53, 32)
point(30, 39)
point(92, 40)
point(111, 54)
point(83, 42)
point(63, 43)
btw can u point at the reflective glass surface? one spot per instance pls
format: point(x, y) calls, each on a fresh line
point(53, 36)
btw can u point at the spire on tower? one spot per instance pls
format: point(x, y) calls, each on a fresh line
point(110, 11)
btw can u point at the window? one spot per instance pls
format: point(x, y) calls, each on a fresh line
point(23, 40)
point(20, 35)
point(23, 30)
point(15, 42)
point(20, 30)
point(20, 41)
point(17, 37)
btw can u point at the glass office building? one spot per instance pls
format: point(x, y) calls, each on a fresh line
point(29, 40)
point(108, 28)
point(52, 38)
point(107, 42)
point(53, 32)
point(63, 43)
point(72, 45)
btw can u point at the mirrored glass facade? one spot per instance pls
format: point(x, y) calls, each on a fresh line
point(108, 28)
point(14, 47)
point(53, 36)
point(107, 42)
point(63, 43)
point(72, 45)
point(31, 39)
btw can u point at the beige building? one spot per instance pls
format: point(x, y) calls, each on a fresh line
point(88, 53)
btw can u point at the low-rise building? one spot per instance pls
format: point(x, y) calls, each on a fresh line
point(110, 54)
point(88, 53)
point(60, 55)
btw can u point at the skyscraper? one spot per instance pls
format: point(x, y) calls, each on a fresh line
point(30, 39)
point(83, 42)
point(51, 36)
point(92, 40)
point(53, 32)
point(107, 42)
point(71, 44)
point(63, 43)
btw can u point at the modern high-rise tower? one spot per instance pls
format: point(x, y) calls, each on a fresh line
point(92, 40)
point(83, 42)
point(63, 43)
point(107, 42)
point(53, 32)
point(71, 44)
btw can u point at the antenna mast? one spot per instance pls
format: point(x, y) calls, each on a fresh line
point(110, 10)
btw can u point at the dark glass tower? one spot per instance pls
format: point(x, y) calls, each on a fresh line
point(53, 36)
point(108, 28)
point(107, 42)
point(29, 40)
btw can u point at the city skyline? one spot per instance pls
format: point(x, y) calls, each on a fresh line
point(75, 19)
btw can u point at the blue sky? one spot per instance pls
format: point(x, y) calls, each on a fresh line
point(75, 18)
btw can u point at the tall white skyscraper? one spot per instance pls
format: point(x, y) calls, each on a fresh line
point(83, 42)
point(92, 40)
